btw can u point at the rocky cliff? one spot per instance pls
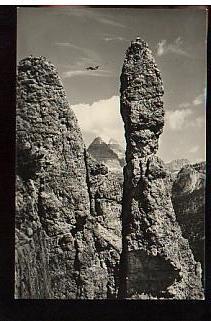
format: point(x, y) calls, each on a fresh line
point(57, 237)
point(106, 206)
point(71, 219)
point(175, 166)
point(156, 261)
point(188, 197)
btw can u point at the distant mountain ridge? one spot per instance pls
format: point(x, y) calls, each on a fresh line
point(111, 154)
point(176, 164)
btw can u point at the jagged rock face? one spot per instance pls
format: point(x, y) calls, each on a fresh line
point(103, 153)
point(106, 206)
point(188, 197)
point(55, 247)
point(172, 169)
point(176, 165)
point(156, 261)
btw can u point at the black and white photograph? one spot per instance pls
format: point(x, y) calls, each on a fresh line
point(110, 153)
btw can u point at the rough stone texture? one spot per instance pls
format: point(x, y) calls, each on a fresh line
point(156, 261)
point(176, 165)
point(56, 255)
point(188, 198)
point(172, 169)
point(106, 206)
point(106, 154)
point(68, 205)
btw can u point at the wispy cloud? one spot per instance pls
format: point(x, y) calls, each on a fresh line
point(184, 105)
point(194, 149)
point(84, 53)
point(66, 44)
point(164, 47)
point(180, 119)
point(90, 73)
point(109, 21)
point(198, 122)
point(175, 120)
point(199, 100)
point(85, 57)
point(117, 38)
point(87, 13)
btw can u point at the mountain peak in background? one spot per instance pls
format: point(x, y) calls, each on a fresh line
point(176, 164)
point(97, 140)
point(111, 154)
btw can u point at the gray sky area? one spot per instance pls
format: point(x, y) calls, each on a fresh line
point(76, 37)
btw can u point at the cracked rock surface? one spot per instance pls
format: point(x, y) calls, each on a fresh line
point(71, 220)
point(188, 198)
point(156, 260)
point(56, 253)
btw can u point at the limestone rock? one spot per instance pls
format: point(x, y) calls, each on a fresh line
point(176, 165)
point(55, 251)
point(106, 206)
point(156, 261)
point(68, 228)
point(188, 198)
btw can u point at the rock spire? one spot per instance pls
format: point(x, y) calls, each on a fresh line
point(156, 261)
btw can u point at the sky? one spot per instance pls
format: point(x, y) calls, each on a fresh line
point(76, 37)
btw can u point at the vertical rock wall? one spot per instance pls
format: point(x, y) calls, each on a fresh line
point(156, 261)
point(188, 198)
point(106, 206)
point(55, 250)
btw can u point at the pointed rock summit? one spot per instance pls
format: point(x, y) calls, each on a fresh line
point(61, 251)
point(106, 154)
point(156, 261)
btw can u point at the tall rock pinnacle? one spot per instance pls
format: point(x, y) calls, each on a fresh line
point(156, 260)
point(55, 251)
point(68, 229)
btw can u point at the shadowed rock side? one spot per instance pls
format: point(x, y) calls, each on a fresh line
point(56, 255)
point(188, 198)
point(156, 261)
point(106, 206)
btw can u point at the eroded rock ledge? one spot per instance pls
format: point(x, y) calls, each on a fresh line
point(156, 261)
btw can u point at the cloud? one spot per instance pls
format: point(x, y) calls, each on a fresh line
point(107, 38)
point(198, 122)
point(179, 119)
point(109, 22)
point(85, 57)
point(66, 44)
point(87, 13)
point(175, 47)
point(84, 53)
point(184, 105)
point(175, 120)
point(194, 149)
point(102, 118)
point(90, 73)
point(200, 99)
